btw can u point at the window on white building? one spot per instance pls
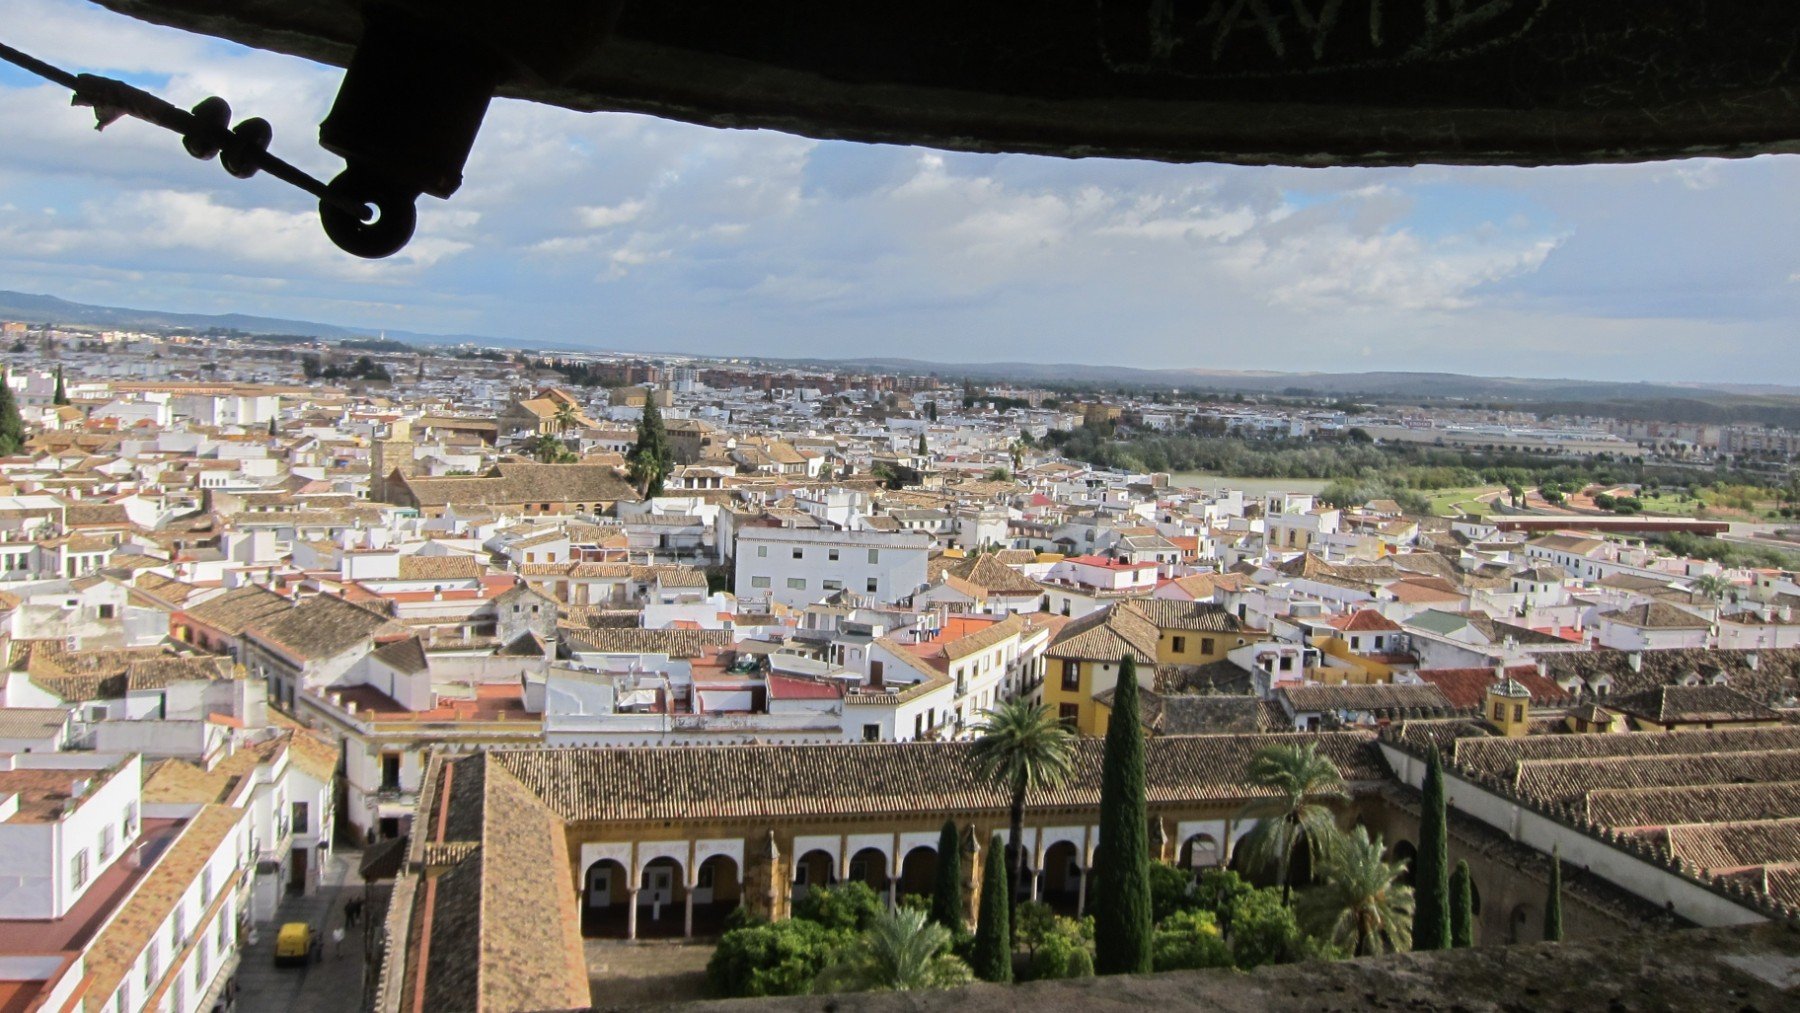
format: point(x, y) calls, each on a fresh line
point(796, 583)
point(759, 582)
point(874, 555)
point(78, 869)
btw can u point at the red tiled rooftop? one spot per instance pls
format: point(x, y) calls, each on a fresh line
point(787, 687)
point(1365, 621)
point(1110, 564)
point(1467, 687)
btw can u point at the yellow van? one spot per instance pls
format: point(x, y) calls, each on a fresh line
point(293, 944)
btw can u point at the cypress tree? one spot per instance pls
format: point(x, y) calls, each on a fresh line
point(1462, 907)
point(922, 450)
point(1122, 858)
point(1431, 870)
point(650, 459)
point(1553, 903)
point(992, 959)
point(946, 896)
point(12, 427)
point(62, 396)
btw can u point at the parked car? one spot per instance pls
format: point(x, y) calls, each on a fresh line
point(295, 944)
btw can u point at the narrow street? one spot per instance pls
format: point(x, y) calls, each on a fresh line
point(333, 984)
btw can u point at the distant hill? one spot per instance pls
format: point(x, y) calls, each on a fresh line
point(40, 309)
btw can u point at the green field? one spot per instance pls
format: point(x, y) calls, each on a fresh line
point(1461, 502)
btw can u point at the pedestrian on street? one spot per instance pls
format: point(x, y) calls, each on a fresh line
point(337, 943)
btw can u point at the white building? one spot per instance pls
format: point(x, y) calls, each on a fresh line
point(798, 566)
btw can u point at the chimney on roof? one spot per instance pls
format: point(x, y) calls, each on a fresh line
point(1752, 659)
point(1636, 660)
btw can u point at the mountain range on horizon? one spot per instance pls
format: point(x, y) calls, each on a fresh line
point(1770, 403)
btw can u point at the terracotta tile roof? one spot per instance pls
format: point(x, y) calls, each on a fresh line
point(1379, 697)
point(1708, 803)
point(231, 612)
point(1705, 703)
point(982, 639)
point(1729, 847)
point(1569, 780)
point(1107, 635)
point(1501, 756)
point(407, 656)
point(674, 643)
point(1174, 614)
point(1768, 675)
point(321, 627)
point(517, 482)
point(1467, 687)
point(416, 567)
point(505, 933)
point(178, 781)
point(31, 722)
point(1657, 615)
point(119, 945)
point(876, 778)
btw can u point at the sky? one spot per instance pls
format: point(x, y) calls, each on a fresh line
point(625, 232)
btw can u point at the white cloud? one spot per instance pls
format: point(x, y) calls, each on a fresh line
point(607, 217)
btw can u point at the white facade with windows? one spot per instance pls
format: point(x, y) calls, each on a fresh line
point(799, 566)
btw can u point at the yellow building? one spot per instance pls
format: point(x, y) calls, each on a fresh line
point(1084, 662)
point(1194, 633)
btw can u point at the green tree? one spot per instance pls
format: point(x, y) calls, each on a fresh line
point(12, 427)
point(1065, 950)
point(1553, 929)
point(1263, 930)
point(1361, 905)
point(1462, 907)
point(61, 397)
point(851, 906)
point(1171, 890)
point(1022, 748)
point(1032, 923)
point(650, 461)
point(923, 451)
point(992, 958)
point(1122, 859)
point(1188, 940)
point(1301, 783)
point(1712, 586)
point(782, 958)
point(900, 951)
point(946, 894)
point(565, 417)
point(550, 450)
point(1431, 870)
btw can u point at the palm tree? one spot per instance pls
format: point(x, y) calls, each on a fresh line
point(1017, 450)
point(565, 417)
point(1302, 782)
point(550, 450)
point(1714, 586)
point(1022, 748)
point(900, 951)
point(1361, 906)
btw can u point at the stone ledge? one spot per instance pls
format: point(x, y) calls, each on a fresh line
point(1754, 968)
